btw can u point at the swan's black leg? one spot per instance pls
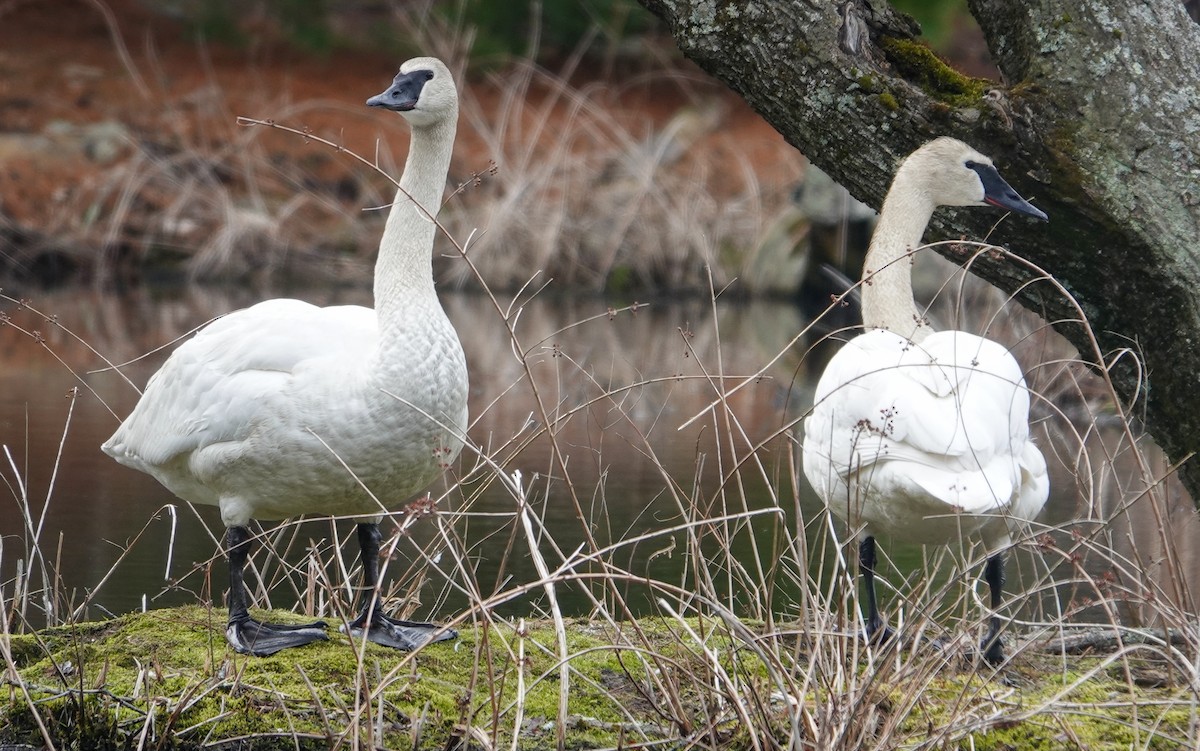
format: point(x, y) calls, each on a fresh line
point(237, 546)
point(993, 573)
point(876, 630)
point(381, 629)
point(245, 634)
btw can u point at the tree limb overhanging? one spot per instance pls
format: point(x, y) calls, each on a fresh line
point(1097, 120)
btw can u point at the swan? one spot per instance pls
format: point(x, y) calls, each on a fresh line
point(918, 434)
point(285, 408)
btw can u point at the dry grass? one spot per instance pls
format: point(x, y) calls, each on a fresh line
point(596, 203)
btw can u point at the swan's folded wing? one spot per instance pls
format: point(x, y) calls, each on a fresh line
point(952, 409)
point(215, 386)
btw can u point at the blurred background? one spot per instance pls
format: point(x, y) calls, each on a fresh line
point(588, 148)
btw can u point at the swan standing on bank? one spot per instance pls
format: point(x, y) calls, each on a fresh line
point(919, 435)
point(285, 408)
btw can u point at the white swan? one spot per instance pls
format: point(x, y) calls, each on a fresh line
point(920, 435)
point(285, 408)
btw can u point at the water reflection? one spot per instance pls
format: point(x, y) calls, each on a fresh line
point(616, 385)
point(659, 361)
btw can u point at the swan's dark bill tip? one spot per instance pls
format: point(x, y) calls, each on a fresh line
point(391, 103)
point(1017, 205)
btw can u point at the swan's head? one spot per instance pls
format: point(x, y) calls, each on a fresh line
point(423, 92)
point(952, 173)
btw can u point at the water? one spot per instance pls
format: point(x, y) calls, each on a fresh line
point(97, 507)
point(619, 383)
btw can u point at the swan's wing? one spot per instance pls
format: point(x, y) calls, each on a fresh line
point(214, 387)
point(947, 416)
point(974, 403)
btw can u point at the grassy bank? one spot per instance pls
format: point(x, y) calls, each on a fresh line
point(165, 679)
point(750, 640)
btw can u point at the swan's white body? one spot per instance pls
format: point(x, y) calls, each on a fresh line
point(918, 435)
point(925, 442)
point(285, 408)
point(260, 410)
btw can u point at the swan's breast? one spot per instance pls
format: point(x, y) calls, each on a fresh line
point(314, 419)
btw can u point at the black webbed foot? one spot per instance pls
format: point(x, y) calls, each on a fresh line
point(399, 634)
point(879, 633)
point(251, 637)
point(244, 634)
point(390, 632)
point(992, 650)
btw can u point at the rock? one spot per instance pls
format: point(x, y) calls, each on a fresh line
point(102, 142)
point(17, 145)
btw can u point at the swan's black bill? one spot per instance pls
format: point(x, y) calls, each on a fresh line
point(404, 92)
point(999, 193)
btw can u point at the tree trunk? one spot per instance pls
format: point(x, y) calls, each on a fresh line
point(1097, 121)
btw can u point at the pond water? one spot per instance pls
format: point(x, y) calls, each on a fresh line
point(591, 403)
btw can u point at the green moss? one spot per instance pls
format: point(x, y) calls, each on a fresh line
point(889, 101)
point(1108, 712)
point(919, 64)
point(93, 685)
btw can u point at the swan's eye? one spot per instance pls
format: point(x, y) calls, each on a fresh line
point(971, 165)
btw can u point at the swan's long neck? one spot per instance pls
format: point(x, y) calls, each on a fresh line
point(404, 271)
point(887, 293)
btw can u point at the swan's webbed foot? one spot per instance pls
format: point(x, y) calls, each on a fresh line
point(381, 629)
point(251, 637)
point(398, 634)
point(878, 632)
point(991, 648)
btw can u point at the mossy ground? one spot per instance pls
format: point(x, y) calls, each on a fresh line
point(169, 674)
point(1081, 703)
point(166, 679)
